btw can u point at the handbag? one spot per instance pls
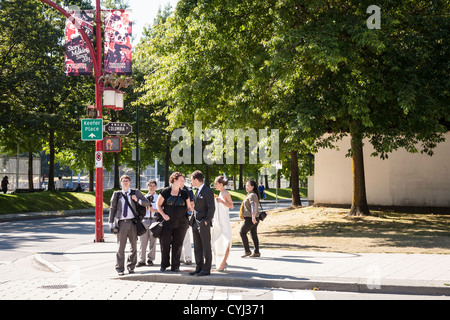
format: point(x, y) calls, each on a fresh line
point(156, 228)
point(140, 228)
point(262, 214)
point(141, 210)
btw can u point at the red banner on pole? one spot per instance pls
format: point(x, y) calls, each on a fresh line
point(78, 61)
point(118, 30)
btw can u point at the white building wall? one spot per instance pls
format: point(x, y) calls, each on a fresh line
point(404, 179)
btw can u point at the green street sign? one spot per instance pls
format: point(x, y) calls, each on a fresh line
point(91, 129)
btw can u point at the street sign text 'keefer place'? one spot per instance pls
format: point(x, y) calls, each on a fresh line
point(91, 129)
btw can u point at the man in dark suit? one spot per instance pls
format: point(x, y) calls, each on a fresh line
point(201, 222)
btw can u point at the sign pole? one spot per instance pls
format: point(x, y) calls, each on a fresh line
point(276, 188)
point(99, 232)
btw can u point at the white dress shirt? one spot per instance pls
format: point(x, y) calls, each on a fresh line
point(199, 189)
point(130, 214)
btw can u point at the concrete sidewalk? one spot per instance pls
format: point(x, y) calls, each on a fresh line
point(424, 274)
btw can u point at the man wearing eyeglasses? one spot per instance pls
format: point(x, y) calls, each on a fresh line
point(122, 221)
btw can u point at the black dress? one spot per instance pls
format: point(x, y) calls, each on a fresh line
point(174, 230)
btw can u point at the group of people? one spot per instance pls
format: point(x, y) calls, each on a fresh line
point(180, 209)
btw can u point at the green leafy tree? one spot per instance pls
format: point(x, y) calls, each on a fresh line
point(340, 77)
point(33, 86)
point(313, 68)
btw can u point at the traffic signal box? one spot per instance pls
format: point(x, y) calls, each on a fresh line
point(112, 144)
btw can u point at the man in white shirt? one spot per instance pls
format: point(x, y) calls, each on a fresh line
point(122, 221)
point(148, 238)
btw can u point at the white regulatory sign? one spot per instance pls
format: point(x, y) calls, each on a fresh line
point(98, 159)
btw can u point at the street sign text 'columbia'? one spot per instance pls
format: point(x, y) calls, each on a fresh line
point(118, 128)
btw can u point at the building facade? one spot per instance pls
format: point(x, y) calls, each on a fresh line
point(404, 179)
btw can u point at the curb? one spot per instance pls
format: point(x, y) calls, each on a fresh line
point(234, 279)
point(324, 284)
point(41, 262)
point(47, 214)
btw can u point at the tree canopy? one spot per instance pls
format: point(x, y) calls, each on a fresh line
point(312, 68)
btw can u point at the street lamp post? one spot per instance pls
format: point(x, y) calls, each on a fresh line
point(97, 62)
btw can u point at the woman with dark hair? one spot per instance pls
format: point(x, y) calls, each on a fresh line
point(250, 215)
point(172, 204)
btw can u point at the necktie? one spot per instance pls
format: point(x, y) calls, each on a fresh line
point(125, 210)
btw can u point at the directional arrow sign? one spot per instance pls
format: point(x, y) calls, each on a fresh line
point(91, 129)
point(118, 128)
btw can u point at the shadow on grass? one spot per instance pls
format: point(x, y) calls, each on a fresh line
point(430, 231)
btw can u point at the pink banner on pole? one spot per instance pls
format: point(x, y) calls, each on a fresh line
point(78, 60)
point(118, 31)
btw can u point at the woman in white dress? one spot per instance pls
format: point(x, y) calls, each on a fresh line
point(221, 227)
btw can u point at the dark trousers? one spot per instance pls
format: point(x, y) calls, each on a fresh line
point(172, 237)
point(253, 228)
point(202, 246)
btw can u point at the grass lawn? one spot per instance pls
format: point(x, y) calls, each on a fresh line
point(57, 201)
point(49, 201)
point(331, 230)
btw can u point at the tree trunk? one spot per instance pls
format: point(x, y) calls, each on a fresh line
point(91, 179)
point(241, 177)
point(359, 199)
point(30, 171)
point(51, 166)
point(167, 160)
point(207, 175)
point(294, 179)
